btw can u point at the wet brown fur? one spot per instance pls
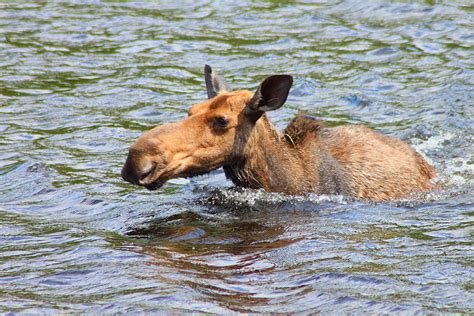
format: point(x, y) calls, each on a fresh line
point(376, 166)
point(306, 157)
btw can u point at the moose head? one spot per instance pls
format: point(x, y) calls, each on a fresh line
point(215, 133)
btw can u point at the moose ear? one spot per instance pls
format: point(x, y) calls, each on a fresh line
point(270, 95)
point(214, 83)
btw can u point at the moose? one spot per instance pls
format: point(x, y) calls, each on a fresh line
point(231, 130)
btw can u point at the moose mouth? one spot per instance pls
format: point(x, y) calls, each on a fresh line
point(156, 178)
point(148, 182)
point(155, 185)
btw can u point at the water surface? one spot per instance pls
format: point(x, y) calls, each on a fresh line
point(79, 81)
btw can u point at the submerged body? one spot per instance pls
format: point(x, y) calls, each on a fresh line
point(231, 130)
point(350, 160)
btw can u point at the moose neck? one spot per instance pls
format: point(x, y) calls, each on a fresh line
point(262, 160)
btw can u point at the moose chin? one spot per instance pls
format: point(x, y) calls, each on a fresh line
point(231, 130)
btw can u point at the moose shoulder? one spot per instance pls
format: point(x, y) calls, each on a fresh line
point(231, 130)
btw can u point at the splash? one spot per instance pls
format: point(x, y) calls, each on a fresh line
point(250, 199)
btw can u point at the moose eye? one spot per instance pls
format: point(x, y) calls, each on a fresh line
point(221, 121)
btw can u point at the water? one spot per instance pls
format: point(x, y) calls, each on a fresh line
point(79, 81)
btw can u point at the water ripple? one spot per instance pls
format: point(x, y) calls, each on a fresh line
point(80, 80)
